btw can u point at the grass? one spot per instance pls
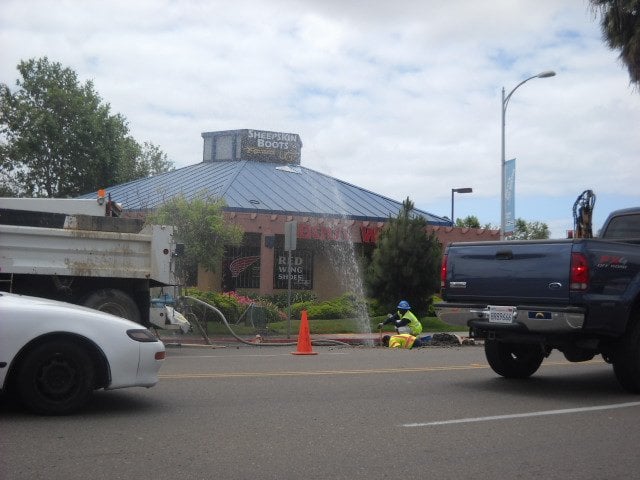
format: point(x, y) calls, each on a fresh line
point(429, 324)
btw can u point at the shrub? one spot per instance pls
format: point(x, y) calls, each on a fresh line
point(228, 305)
point(233, 305)
point(345, 306)
point(377, 309)
point(280, 300)
point(431, 311)
point(296, 308)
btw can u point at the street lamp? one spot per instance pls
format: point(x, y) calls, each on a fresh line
point(458, 190)
point(505, 101)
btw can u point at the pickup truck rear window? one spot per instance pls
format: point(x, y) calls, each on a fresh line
point(623, 227)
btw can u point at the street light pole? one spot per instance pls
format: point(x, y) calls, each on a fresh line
point(458, 190)
point(505, 101)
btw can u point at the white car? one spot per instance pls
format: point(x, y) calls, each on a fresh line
point(54, 354)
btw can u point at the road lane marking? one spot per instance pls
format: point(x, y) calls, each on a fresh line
point(524, 415)
point(319, 372)
point(235, 357)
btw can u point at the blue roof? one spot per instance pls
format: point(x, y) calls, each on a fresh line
point(270, 188)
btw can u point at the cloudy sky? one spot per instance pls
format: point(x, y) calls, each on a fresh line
point(402, 98)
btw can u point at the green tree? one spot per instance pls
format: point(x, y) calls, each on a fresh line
point(405, 262)
point(530, 230)
point(58, 138)
point(152, 161)
point(7, 185)
point(470, 221)
point(523, 230)
point(620, 23)
point(148, 160)
point(200, 225)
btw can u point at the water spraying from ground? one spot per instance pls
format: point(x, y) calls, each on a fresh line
point(347, 269)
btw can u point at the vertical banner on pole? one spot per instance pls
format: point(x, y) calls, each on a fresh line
point(510, 196)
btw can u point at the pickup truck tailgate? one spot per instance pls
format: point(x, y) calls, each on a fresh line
point(499, 272)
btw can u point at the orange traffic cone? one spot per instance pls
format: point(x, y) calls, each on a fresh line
point(304, 340)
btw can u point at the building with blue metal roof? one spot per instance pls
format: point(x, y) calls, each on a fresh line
point(265, 188)
point(260, 177)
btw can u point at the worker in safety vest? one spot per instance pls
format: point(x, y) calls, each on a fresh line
point(401, 340)
point(404, 320)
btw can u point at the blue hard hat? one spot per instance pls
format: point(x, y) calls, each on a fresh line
point(404, 305)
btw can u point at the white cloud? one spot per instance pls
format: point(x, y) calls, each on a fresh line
point(401, 98)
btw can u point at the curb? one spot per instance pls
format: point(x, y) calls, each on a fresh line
point(348, 339)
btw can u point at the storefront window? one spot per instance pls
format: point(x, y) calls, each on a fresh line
point(241, 265)
point(301, 269)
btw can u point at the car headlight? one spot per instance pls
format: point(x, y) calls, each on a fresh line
point(142, 335)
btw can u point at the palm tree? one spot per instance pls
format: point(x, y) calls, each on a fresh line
point(621, 29)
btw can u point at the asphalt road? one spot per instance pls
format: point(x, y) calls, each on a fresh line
point(346, 413)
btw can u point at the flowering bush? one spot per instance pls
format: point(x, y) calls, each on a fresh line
point(242, 300)
point(233, 305)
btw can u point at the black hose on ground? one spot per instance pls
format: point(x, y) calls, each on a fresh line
point(261, 344)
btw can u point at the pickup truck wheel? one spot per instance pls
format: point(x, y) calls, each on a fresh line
point(626, 360)
point(512, 360)
point(115, 302)
point(56, 378)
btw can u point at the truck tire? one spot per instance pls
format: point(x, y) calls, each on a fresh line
point(512, 360)
point(626, 359)
point(115, 302)
point(56, 378)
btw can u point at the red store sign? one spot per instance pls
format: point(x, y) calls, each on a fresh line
point(335, 234)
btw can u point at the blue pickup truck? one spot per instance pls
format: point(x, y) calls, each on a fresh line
point(526, 298)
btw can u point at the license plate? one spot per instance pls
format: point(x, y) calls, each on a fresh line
point(501, 314)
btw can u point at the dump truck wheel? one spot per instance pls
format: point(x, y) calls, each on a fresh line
point(115, 302)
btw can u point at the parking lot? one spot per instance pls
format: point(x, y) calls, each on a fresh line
point(347, 412)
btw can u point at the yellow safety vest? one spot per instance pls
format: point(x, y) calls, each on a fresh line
point(402, 340)
point(414, 323)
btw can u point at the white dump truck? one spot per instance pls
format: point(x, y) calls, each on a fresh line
point(83, 252)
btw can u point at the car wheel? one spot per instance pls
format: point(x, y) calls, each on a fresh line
point(56, 378)
point(512, 360)
point(115, 302)
point(626, 360)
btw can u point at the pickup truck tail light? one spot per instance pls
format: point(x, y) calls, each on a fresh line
point(579, 272)
point(443, 272)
